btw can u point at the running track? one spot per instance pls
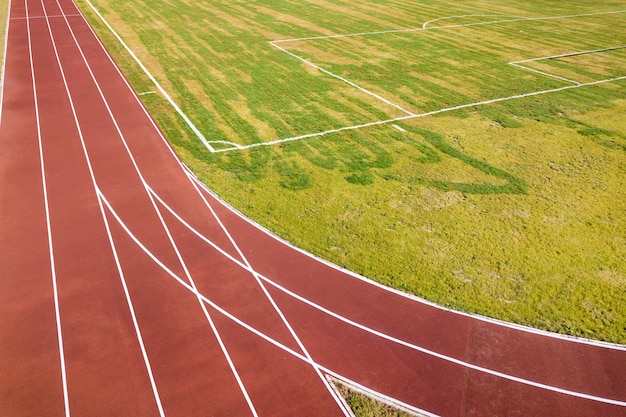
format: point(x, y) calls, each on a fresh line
point(128, 289)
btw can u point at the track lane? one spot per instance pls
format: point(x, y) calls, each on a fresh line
point(29, 355)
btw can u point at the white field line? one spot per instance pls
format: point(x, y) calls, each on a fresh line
point(192, 177)
point(361, 327)
point(235, 146)
point(424, 26)
point(166, 229)
point(384, 100)
point(489, 22)
point(594, 51)
point(106, 224)
point(178, 110)
point(547, 74)
point(323, 133)
point(411, 297)
point(55, 289)
point(449, 109)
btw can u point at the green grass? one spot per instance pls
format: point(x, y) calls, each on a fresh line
point(514, 210)
point(364, 406)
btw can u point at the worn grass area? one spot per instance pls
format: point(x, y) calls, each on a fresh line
point(364, 406)
point(514, 210)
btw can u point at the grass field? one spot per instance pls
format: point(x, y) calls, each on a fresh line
point(514, 209)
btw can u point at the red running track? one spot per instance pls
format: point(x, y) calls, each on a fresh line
point(129, 289)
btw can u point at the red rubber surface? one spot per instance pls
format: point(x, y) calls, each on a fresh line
point(127, 289)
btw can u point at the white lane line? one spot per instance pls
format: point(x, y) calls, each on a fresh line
point(401, 129)
point(411, 297)
point(154, 81)
point(106, 224)
point(166, 229)
point(380, 397)
point(280, 313)
point(361, 327)
point(40, 17)
point(55, 289)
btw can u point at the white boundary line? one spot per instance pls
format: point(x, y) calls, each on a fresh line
point(364, 328)
point(323, 133)
point(547, 74)
point(489, 22)
point(106, 224)
point(55, 289)
point(345, 80)
point(154, 81)
point(440, 111)
point(424, 26)
point(166, 229)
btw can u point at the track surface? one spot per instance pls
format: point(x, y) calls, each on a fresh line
point(128, 289)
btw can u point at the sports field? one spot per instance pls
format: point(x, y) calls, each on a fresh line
point(472, 153)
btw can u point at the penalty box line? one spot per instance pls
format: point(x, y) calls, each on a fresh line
point(416, 116)
point(545, 58)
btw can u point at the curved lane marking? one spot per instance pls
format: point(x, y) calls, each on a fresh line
point(341, 318)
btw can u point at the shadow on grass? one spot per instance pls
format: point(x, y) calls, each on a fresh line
point(514, 185)
point(361, 160)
